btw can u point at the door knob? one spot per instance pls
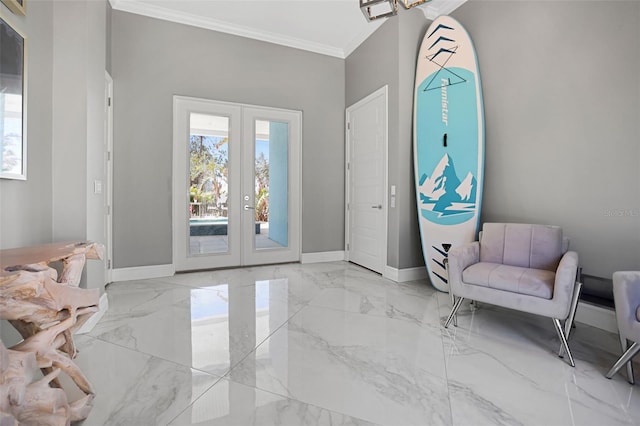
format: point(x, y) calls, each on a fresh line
point(379, 207)
point(247, 207)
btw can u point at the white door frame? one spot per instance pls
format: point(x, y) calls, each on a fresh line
point(383, 91)
point(109, 175)
point(244, 251)
point(250, 254)
point(182, 108)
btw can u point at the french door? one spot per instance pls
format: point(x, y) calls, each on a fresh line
point(236, 184)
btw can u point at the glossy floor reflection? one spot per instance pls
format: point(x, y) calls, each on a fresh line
point(335, 344)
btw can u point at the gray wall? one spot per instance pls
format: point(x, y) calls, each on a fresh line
point(95, 24)
point(561, 85)
point(413, 26)
point(562, 107)
point(552, 97)
point(79, 42)
point(65, 100)
point(69, 122)
point(107, 40)
point(152, 60)
point(25, 206)
point(389, 57)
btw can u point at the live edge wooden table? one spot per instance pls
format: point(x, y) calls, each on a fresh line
point(46, 308)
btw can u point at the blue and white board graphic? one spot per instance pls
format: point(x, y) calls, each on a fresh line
point(448, 143)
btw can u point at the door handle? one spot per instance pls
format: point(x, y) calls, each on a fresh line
point(379, 207)
point(247, 207)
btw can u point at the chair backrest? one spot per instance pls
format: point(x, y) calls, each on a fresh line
point(523, 245)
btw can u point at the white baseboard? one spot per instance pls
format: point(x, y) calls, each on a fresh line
point(142, 272)
point(103, 305)
point(404, 275)
point(597, 316)
point(324, 256)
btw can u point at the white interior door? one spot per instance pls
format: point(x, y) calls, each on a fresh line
point(236, 195)
point(366, 181)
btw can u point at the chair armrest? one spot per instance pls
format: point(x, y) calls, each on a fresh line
point(626, 296)
point(461, 257)
point(565, 280)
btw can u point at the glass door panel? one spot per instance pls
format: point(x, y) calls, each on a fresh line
point(271, 184)
point(236, 184)
point(208, 184)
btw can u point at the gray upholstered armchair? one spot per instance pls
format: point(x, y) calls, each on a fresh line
point(626, 296)
point(519, 266)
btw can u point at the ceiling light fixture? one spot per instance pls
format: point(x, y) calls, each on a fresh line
point(376, 9)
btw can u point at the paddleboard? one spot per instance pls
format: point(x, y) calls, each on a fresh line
point(448, 143)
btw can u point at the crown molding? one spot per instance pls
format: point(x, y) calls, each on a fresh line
point(158, 12)
point(431, 10)
point(440, 7)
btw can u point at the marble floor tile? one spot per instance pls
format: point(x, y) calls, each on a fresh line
point(232, 404)
point(133, 388)
point(518, 352)
point(414, 301)
point(208, 328)
point(382, 370)
point(304, 275)
point(335, 344)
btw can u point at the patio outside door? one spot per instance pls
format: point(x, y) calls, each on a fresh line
point(236, 185)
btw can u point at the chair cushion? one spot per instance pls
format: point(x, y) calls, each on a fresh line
point(515, 279)
point(523, 245)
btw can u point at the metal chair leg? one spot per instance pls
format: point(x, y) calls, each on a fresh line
point(453, 302)
point(455, 308)
point(568, 323)
point(563, 339)
point(630, 376)
point(625, 359)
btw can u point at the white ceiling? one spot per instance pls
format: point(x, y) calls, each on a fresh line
point(329, 27)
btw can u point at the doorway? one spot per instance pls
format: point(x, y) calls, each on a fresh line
point(236, 184)
point(366, 180)
point(108, 173)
